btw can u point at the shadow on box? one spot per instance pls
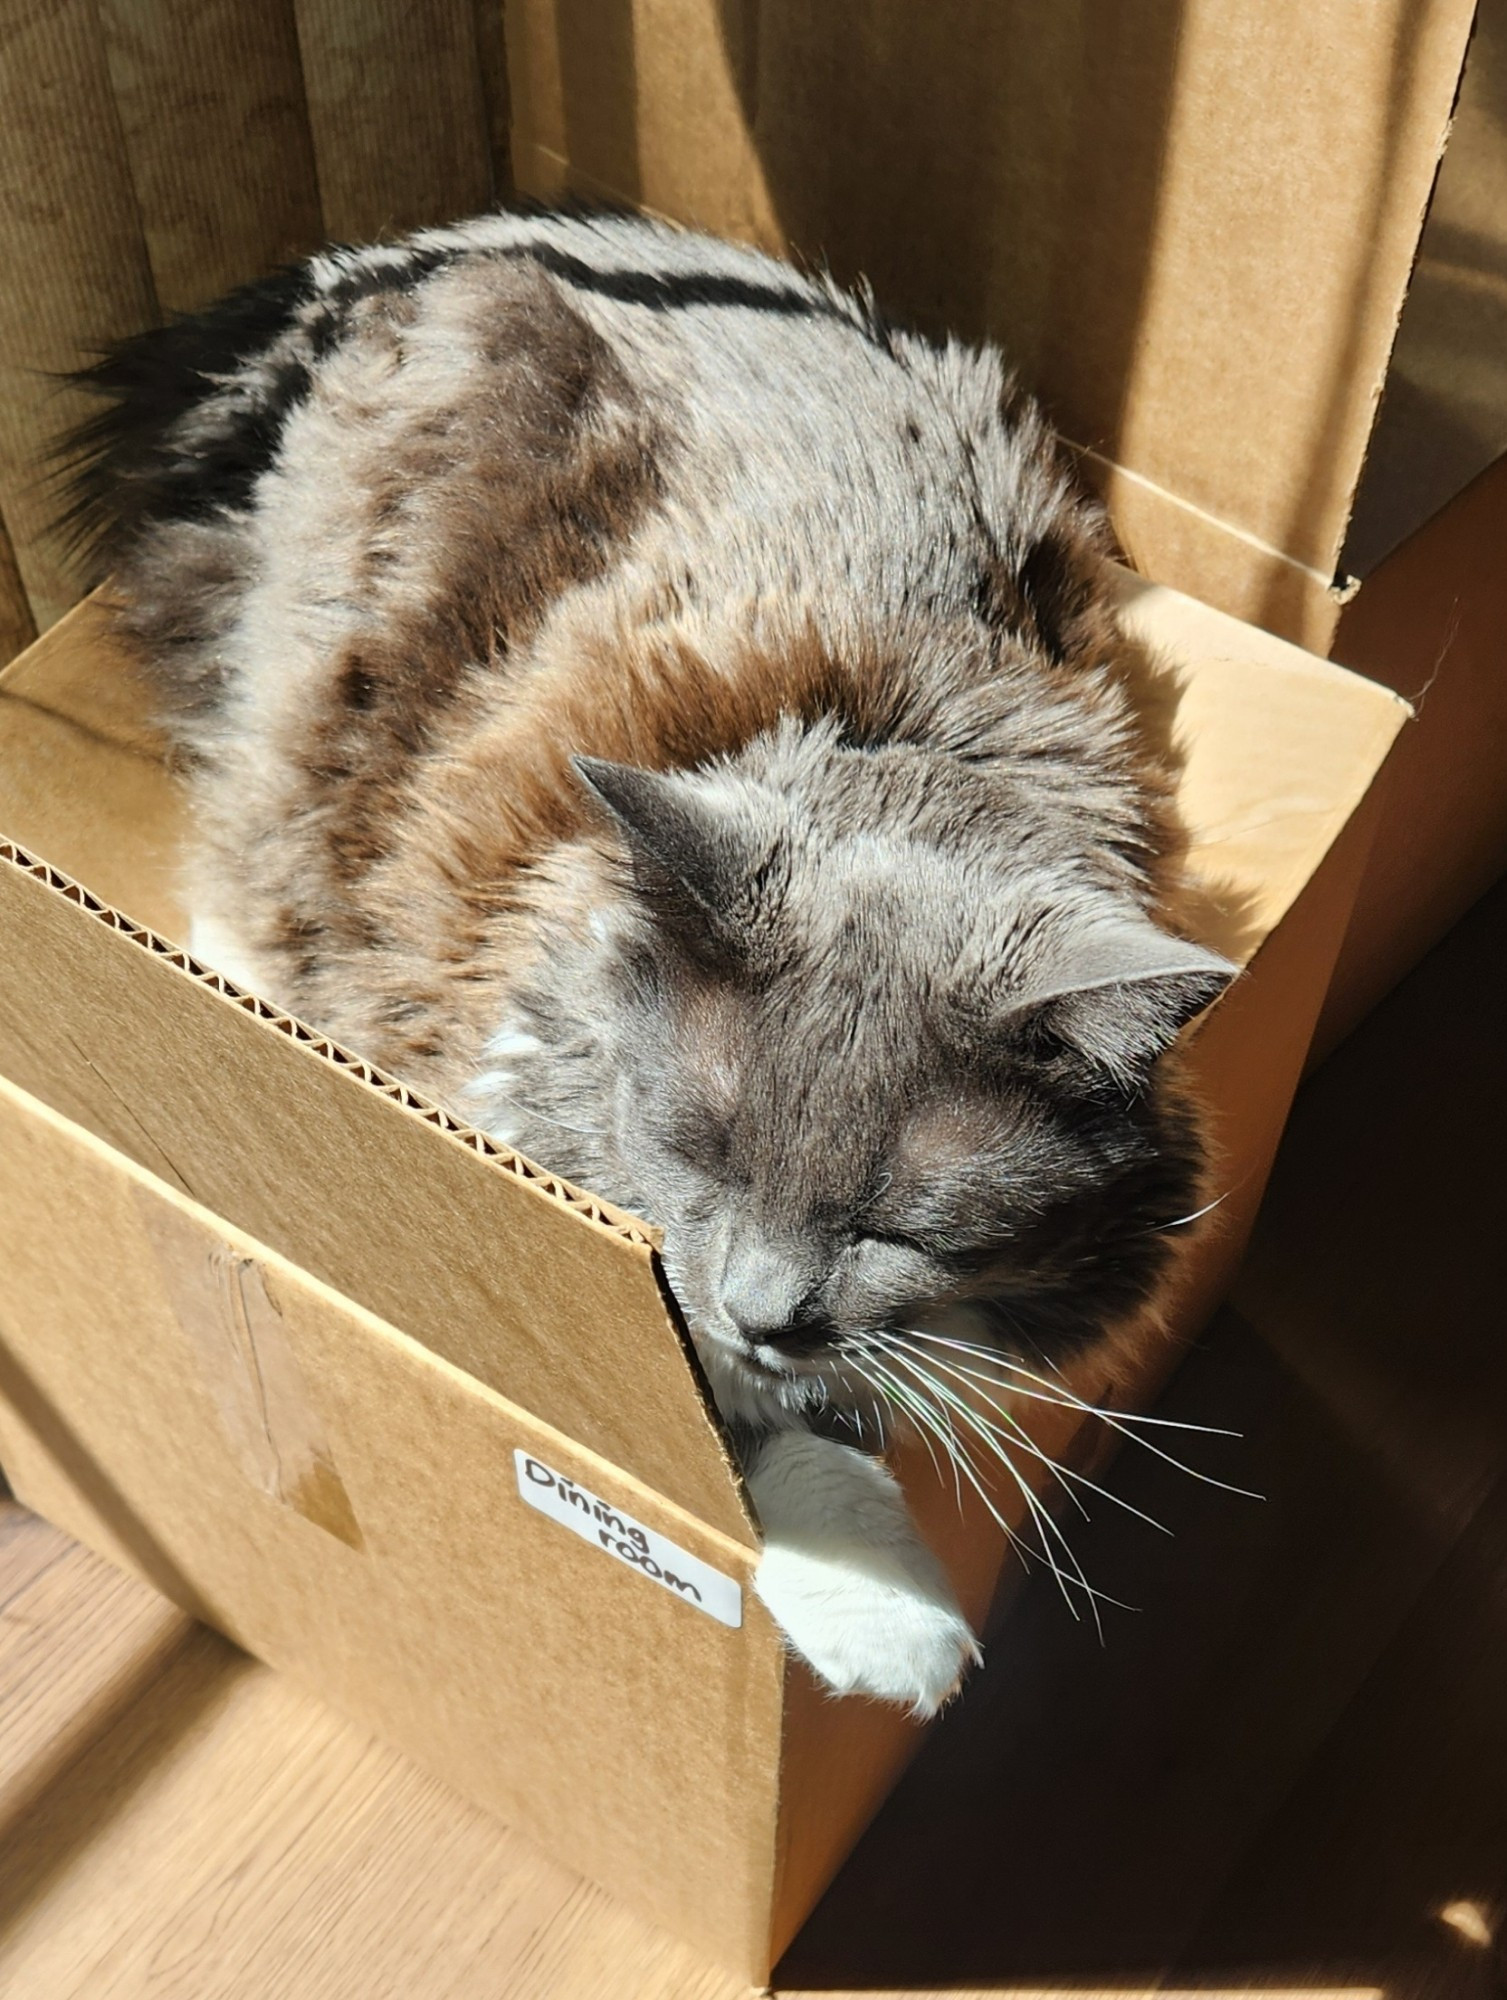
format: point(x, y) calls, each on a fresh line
point(879, 153)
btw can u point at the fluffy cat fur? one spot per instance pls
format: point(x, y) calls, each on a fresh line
point(672, 719)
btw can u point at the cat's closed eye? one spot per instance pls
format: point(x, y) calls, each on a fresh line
point(964, 1244)
point(893, 1258)
point(887, 1238)
point(699, 1139)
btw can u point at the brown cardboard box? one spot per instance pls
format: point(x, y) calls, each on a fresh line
point(342, 1377)
point(1431, 623)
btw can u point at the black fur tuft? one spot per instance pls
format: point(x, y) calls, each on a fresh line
point(161, 449)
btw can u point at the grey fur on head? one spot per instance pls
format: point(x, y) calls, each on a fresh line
point(863, 1064)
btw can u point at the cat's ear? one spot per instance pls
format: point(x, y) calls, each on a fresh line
point(1119, 991)
point(687, 846)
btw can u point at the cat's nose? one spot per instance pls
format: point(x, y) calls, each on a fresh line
point(765, 1288)
point(801, 1332)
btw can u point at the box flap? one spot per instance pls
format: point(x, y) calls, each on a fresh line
point(81, 776)
point(1191, 227)
point(1276, 751)
point(544, 1294)
point(1444, 415)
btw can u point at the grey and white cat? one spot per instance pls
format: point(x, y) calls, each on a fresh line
point(672, 718)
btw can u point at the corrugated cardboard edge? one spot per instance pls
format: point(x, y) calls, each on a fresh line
point(601, 1216)
point(551, 1187)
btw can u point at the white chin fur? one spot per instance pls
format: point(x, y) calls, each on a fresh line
point(748, 1395)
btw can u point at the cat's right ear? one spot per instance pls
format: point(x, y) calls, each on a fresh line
point(695, 858)
point(1119, 991)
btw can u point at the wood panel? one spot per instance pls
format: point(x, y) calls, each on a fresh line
point(178, 1821)
point(210, 99)
point(398, 113)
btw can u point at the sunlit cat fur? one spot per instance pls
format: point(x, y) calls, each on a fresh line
point(672, 719)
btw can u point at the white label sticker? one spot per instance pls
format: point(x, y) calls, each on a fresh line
point(629, 1541)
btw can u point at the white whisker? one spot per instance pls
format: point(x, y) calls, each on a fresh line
point(1045, 1524)
point(922, 1433)
point(1204, 1478)
point(1046, 1527)
point(972, 1418)
point(564, 1124)
point(921, 1413)
point(1160, 1228)
point(917, 1409)
point(1066, 1400)
point(1061, 1472)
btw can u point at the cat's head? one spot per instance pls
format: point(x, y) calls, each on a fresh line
point(877, 1053)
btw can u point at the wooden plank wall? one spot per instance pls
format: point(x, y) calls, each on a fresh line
point(154, 153)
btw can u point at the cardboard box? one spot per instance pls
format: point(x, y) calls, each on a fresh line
point(417, 1421)
point(1431, 623)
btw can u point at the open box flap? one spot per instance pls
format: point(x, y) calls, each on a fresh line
point(81, 777)
point(1443, 418)
point(1275, 751)
point(1191, 227)
point(534, 1289)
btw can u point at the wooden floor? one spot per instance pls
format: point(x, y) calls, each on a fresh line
point(1284, 1775)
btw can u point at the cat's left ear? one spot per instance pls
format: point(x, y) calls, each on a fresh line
point(694, 855)
point(1120, 990)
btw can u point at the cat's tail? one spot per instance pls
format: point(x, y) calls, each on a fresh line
point(191, 414)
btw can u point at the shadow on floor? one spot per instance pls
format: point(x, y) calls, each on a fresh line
point(110, 1751)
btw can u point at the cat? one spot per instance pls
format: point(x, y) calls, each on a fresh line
point(672, 718)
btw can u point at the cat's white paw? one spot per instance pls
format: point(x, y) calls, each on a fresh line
point(848, 1580)
point(867, 1633)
